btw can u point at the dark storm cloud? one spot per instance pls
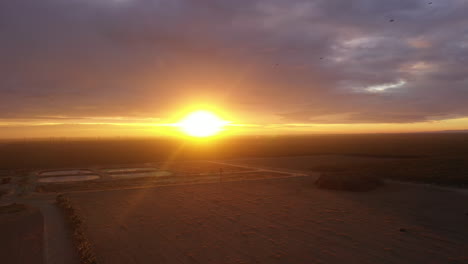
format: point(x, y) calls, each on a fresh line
point(304, 61)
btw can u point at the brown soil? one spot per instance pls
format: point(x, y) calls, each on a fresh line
point(21, 235)
point(3, 192)
point(274, 221)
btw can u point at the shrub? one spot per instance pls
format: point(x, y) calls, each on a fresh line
point(82, 244)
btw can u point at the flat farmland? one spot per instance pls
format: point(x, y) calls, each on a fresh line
point(283, 220)
point(156, 174)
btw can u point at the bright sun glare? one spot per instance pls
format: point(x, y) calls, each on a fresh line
point(202, 124)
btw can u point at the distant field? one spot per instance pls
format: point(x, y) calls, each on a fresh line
point(428, 169)
point(434, 158)
point(171, 173)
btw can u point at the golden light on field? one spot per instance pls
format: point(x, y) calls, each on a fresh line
point(202, 124)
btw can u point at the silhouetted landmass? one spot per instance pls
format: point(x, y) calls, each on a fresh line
point(434, 158)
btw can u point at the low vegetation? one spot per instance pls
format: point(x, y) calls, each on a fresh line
point(451, 171)
point(76, 224)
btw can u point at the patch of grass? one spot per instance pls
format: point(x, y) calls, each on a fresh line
point(74, 221)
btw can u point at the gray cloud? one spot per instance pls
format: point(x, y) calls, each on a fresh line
point(303, 61)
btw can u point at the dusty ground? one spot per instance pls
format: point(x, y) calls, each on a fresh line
point(275, 221)
point(55, 241)
point(21, 231)
point(265, 211)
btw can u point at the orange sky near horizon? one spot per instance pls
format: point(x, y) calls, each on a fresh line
point(150, 128)
point(136, 68)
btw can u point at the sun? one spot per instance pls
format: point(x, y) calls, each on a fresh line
point(202, 124)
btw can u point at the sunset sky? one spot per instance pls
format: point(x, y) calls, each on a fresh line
point(135, 67)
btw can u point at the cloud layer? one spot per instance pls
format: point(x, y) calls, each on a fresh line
point(293, 61)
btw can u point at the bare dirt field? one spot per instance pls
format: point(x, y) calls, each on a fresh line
point(21, 231)
point(257, 210)
point(283, 220)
